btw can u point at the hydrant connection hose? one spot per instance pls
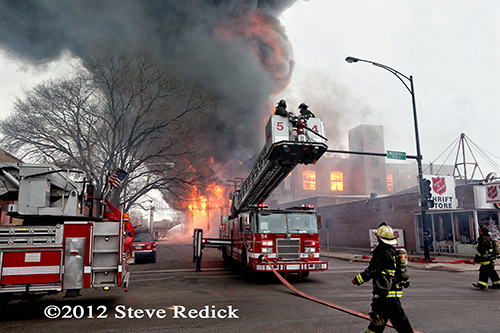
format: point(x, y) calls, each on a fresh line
point(300, 293)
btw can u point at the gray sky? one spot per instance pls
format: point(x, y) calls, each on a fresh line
point(450, 47)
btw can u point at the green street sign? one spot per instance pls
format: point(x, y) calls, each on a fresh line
point(397, 155)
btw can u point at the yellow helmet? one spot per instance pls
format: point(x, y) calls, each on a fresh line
point(386, 234)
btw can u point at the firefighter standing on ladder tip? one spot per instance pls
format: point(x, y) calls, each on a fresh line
point(486, 255)
point(305, 112)
point(388, 280)
point(281, 109)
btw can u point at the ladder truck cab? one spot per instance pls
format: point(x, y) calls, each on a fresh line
point(53, 243)
point(287, 239)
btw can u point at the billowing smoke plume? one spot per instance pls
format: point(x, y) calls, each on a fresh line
point(238, 48)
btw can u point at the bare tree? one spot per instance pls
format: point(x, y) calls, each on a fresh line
point(117, 110)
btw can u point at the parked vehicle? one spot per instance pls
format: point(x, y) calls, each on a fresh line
point(143, 245)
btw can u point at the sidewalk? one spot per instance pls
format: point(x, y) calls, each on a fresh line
point(452, 263)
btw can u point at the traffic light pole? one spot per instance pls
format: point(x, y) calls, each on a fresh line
point(400, 76)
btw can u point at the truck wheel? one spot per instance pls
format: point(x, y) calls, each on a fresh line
point(304, 275)
point(225, 257)
point(153, 258)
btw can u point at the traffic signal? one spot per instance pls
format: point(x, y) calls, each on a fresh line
point(426, 194)
point(90, 193)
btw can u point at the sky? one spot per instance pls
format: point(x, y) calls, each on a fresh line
point(449, 47)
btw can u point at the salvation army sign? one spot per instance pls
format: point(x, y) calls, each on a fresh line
point(492, 192)
point(438, 185)
point(443, 192)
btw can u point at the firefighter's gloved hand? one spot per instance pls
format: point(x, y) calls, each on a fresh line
point(405, 284)
point(376, 313)
point(356, 281)
point(376, 319)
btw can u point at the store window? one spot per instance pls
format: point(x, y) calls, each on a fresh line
point(443, 233)
point(336, 181)
point(463, 223)
point(309, 180)
point(490, 219)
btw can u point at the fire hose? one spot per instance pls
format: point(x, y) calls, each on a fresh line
point(337, 307)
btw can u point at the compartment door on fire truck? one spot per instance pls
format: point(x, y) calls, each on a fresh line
point(74, 256)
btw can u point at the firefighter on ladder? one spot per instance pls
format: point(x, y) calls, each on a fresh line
point(384, 270)
point(486, 256)
point(281, 109)
point(305, 112)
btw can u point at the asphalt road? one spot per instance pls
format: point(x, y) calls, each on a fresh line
point(169, 296)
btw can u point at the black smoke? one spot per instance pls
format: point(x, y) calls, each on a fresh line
point(211, 41)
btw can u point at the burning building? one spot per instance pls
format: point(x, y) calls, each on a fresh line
point(340, 178)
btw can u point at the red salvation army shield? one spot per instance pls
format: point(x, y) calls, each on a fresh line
point(492, 191)
point(438, 185)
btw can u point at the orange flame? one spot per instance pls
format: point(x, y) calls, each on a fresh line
point(204, 210)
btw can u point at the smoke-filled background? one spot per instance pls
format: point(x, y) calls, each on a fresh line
point(238, 49)
point(451, 47)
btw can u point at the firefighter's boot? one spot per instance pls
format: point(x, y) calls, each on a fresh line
point(478, 286)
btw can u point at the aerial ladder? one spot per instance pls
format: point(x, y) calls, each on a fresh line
point(290, 141)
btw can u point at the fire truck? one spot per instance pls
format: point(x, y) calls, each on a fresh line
point(53, 244)
point(288, 239)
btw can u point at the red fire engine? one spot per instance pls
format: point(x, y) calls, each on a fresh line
point(254, 234)
point(52, 246)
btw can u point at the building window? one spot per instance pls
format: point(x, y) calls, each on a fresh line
point(376, 184)
point(309, 178)
point(328, 223)
point(389, 178)
point(375, 162)
point(336, 181)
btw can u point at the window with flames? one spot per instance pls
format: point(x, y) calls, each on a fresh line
point(390, 182)
point(309, 180)
point(336, 181)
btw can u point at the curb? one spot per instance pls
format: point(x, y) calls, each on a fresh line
point(439, 266)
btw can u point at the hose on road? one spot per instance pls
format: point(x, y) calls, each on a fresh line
point(337, 307)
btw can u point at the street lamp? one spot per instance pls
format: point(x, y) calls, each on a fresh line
point(410, 89)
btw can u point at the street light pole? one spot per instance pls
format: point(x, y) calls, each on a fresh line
point(411, 90)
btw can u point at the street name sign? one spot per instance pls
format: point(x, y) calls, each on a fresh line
point(397, 155)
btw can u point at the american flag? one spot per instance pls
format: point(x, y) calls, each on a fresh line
point(117, 178)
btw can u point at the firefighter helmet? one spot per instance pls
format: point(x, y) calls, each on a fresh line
point(282, 103)
point(386, 234)
point(303, 105)
point(484, 229)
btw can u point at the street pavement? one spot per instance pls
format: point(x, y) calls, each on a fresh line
point(446, 262)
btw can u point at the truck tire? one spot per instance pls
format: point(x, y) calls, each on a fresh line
point(153, 258)
point(225, 257)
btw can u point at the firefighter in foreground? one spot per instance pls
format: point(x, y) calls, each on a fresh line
point(385, 271)
point(486, 256)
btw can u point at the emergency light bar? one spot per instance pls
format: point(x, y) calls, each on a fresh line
point(261, 205)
